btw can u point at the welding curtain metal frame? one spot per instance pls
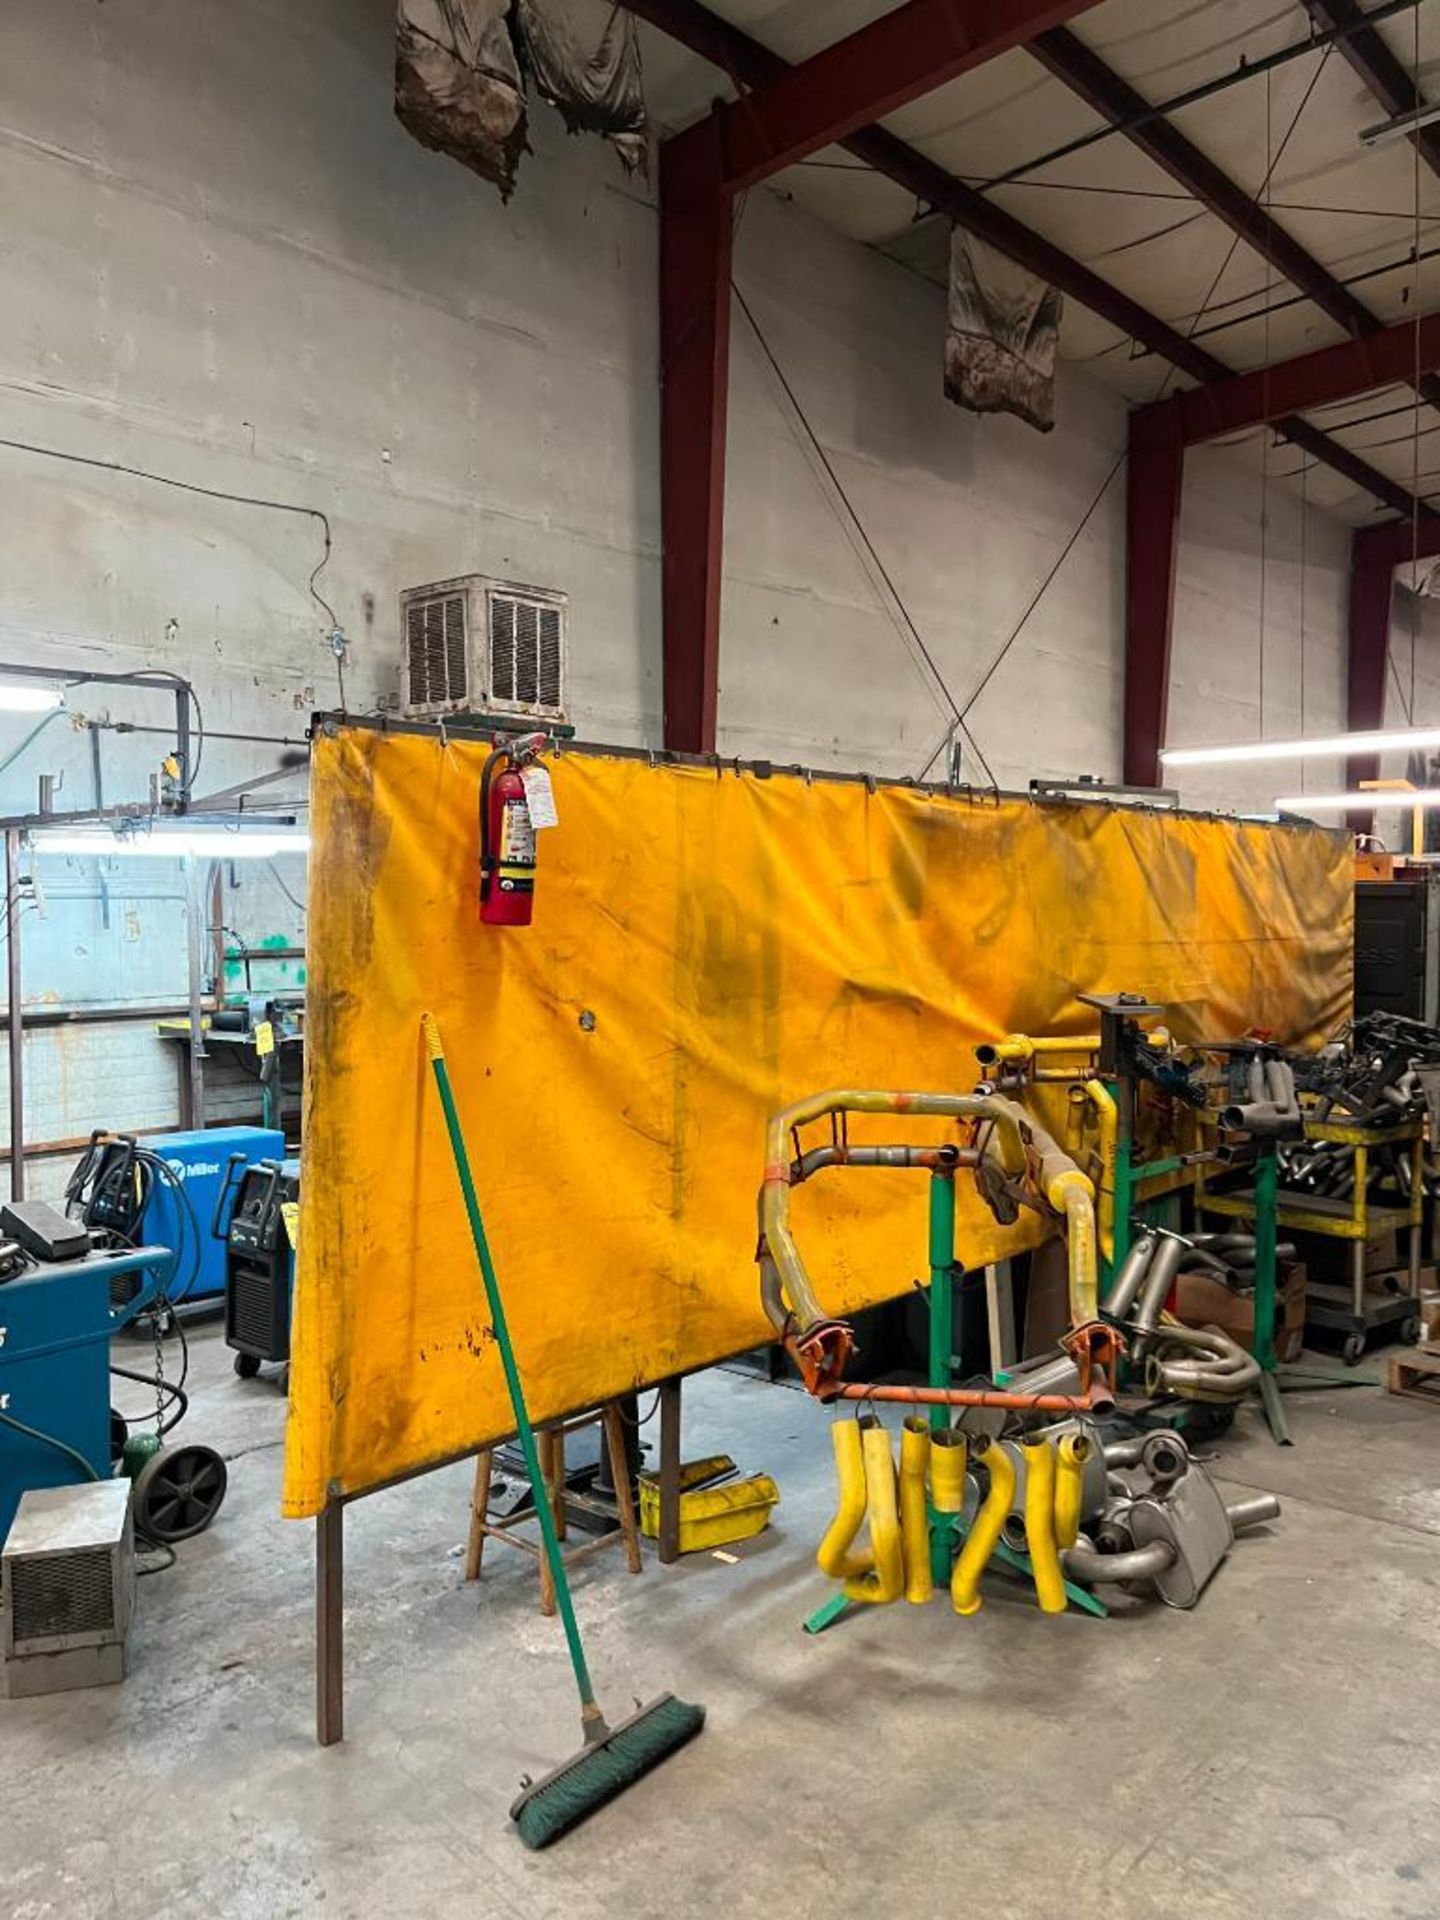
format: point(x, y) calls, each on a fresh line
point(707, 945)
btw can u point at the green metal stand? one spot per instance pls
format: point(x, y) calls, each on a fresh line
point(942, 1333)
point(1262, 1340)
point(948, 1530)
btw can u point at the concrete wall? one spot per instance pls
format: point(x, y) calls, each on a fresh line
point(227, 264)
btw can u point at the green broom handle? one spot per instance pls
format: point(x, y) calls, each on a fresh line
point(512, 1373)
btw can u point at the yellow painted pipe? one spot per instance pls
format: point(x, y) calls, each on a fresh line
point(886, 1582)
point(834, 1555)
point(1071, 1193)
point(1039, 1457)
point(1072, 1452)
point(1023, 1046)
point(1098, 1094)
point(1003, 1143)
point(947, 1470)
point(1068, 1192)
point(914, 1515)
point(975, 1554)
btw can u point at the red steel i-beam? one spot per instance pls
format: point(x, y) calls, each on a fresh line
point(790, 112)
point(1066, 56)
point(695, 251)
point(1391, 357)
point(691, 587)
point(874, 71)
point(1153, 482)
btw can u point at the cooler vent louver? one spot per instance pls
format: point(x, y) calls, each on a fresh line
point(477, 645)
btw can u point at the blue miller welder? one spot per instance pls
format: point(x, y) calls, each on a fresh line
point(65, 1290)
point(164, 1190)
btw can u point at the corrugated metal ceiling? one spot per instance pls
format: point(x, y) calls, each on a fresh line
point(1361, 212)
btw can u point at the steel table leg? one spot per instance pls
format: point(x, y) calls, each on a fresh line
point(330, 1625)
point(668, 1542)
point(1357, 1281)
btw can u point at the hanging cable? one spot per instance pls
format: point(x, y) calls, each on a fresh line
point(1304, 567)
point(1039, 592)
point(1265, 437)
point(1415, 437)
point(1167, 377)
point(1206, 89)
point(856, 523)
point(208, 493)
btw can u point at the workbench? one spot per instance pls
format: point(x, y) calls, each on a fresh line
point(1356, 1310)
point(268, 1070)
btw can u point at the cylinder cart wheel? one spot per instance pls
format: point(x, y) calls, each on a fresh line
point(178, 1492)
point(1410, 1330)
point(247, 1365)
point(1354, 1349)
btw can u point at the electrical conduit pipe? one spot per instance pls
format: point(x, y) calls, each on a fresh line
point(1039, 1457)
point(834, 1556)
point(784, 1282)
point(1072, 1451)
point(1018, 1146)
point(886, 1580)
point(1107, 1120)
point(1131, 1277)
point(975, 1554)
point(914, 1514)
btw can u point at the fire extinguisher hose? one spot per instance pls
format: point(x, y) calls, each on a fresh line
point(489, 861)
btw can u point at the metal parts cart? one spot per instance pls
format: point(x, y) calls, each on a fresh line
point(1356, 1311)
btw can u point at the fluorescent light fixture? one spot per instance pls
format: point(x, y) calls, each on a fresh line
point(1401, 127)
point(1347, 743)
point(1372, 799)
point(16, 696)
point(170, 843)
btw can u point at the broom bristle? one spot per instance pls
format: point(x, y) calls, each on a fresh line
point(576, 1788)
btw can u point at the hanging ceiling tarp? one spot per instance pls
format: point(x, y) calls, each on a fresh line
point(584, 56)
point(707, 945)
point(1004, 326)
point(460, 68)
point(457, 84)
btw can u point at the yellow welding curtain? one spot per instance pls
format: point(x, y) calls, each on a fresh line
point(706, 947)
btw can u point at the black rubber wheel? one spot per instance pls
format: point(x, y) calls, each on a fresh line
point(1410, 1330)
point(247, 1365)
point(1354, 1349)
point(178, 1492)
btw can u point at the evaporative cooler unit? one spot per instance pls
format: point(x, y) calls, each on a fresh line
point(67, 1588)
point(482, 646)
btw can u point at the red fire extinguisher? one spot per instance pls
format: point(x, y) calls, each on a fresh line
point(507, 836)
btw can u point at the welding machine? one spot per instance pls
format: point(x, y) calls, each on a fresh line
point(259, 1259)
point(162, 1188)
point(56, 1321)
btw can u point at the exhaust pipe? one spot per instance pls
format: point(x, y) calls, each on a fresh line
point(1090, 1566)
point(1251, 1512)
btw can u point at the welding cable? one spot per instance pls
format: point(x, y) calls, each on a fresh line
point(49, 1440)
point(175, 1395)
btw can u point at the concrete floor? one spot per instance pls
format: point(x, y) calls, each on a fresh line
point(1276, 1751)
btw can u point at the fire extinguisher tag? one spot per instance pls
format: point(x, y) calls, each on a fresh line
point(540, 797)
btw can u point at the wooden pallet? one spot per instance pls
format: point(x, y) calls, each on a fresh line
point(1414, 1373)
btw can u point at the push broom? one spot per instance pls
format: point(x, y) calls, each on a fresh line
point(612, 1758)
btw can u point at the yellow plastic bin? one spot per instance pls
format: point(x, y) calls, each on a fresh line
point(711, 1516)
